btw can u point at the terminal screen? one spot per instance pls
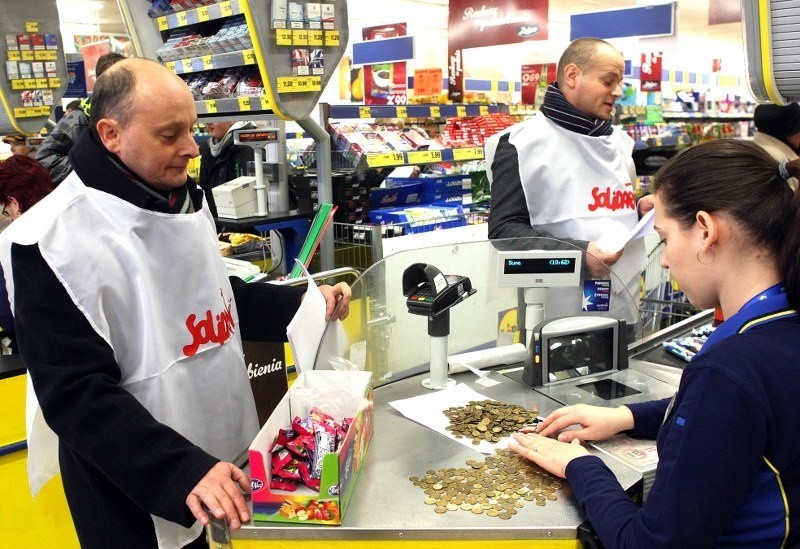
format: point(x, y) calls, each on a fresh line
point(608, 389)
point(539, 265)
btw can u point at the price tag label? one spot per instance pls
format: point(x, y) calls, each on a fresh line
point(436, 112)
point(287, 85)
point(162, 23)
point(364, 112)
point(402, 112)
point(30, 83)
point(656, 142)
point(265, 106)
point(300, 37)
point(315, 83)
point(512, 110)
point(19, 112)
point(211, 106)
point(303, 84)
point(202, 14)
point(377, 160)
point(283, 37)
point(225, 9)
point(31, 26)
point(484, 110)
point(331, 38)
point(424, 157)
point(41, 82)
point(17, 84)
point(208, 63)
point(28, 56)
point(468, 153)
point(249, 57)
point(54, 83)
point(316, 38)
point(14, 55)
point(170, 65)
point(461, 111)
point(182, 19)
point(244, 103)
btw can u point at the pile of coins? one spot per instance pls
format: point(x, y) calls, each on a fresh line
point(488, 420)
point(496, 487)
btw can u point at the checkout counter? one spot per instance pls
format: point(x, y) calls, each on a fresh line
point(394, 344)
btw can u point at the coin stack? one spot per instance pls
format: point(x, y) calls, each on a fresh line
point(488, 420)
point(496, 487)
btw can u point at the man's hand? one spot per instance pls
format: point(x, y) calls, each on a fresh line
point(221, 491)
point(598, 263)
point(339, 294)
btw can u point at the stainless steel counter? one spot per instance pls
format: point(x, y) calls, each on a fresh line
point(387, 506)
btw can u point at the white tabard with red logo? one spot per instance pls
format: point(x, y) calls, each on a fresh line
point(576, 187)
point(153, 286)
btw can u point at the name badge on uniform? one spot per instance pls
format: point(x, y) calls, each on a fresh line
point(596, 295)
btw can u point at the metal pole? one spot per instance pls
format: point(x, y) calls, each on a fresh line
point(324, 185)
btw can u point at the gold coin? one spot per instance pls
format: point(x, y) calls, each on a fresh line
point(492, 512)
point(477, 510)
point(430, 501)
point(452, 507)
point(440, 510)
point(466, 506)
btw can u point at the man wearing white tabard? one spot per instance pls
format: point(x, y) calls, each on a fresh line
point(567, 173)
point(131, 329)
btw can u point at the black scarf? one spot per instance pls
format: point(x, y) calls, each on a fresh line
point(556, 107)
point(99, 169)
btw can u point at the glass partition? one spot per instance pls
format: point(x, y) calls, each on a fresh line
point(383, 337)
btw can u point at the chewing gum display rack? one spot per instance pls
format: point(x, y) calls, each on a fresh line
point(286, 51)
point(34, 71)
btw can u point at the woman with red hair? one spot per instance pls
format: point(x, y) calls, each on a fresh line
point(23, 183)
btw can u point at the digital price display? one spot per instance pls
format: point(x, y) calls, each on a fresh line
point(539, 265)
point(538, 268)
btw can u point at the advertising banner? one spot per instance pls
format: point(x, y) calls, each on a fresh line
point(91, 53)
point(535, 79)
point(427, 82)
point(650, 72)
point(385, 83)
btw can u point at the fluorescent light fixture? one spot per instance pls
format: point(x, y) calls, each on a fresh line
point(79, 5)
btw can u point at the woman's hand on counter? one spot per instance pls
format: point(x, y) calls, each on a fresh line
point(221, 492)
point(593, 422)
point(336, 295)
point(549, 454)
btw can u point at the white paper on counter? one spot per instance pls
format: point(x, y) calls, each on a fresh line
point(307, 327)
point(428, 410)
point(616, 236)
point(487, 358)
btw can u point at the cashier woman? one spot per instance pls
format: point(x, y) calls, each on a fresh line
point(729, 441)
point(131, 329)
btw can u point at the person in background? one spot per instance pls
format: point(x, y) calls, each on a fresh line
point(778, 130)
point(54, 151)
point(72, 105)
point(23, 183)
point(568, 173)
point(122, 301)
point(19, 146)
point(220, 159)
point(728, 442)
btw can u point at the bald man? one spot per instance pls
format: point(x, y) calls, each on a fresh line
point(129, 326)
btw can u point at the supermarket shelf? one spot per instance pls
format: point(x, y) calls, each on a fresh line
point(706, 116)
point(665, 141)
point(409, 111)
point(212, 61)
point(233, 105)
point(198, 15)
point(415, 158)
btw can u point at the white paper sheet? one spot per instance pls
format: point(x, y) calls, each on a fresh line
point(428, 410)
point(616, 236)
point(307, 327)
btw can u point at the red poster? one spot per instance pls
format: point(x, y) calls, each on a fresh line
point(427, 82)
point(91, 53)
point(650, 72)
point(391, 30)
point(531, 74)
point(385, 84)
point(475, 23)
point(455, 74)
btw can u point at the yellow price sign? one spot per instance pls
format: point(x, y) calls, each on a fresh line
point(287, 85)
point(303, 84)
point(14, 55)
point(402, 112)
point(54, 83)
point(244, 103)
point(170, 65)
point(19, 112)
point(202, 14)
point(30, 83)
point(436, 112)
point(17, 84)
point(300, 37)
point(315, 83)
point(468, 153)
point(283, 37)
point(41, 82)
point(265, 105)
point(249, 57)
point(162, 23)
point(208, 63)
point(483, 110)
point(211, 106)
point(512, 110)
point(377, 160)
point(424, 157)
point(461, 111)
point(183, 20)
point(364, 112)
point(331, 38)
point(31, 26)
point(28, 56)
point(225, 9)
point(316, 38)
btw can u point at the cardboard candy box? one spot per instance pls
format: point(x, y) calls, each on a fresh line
point(342, 394)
